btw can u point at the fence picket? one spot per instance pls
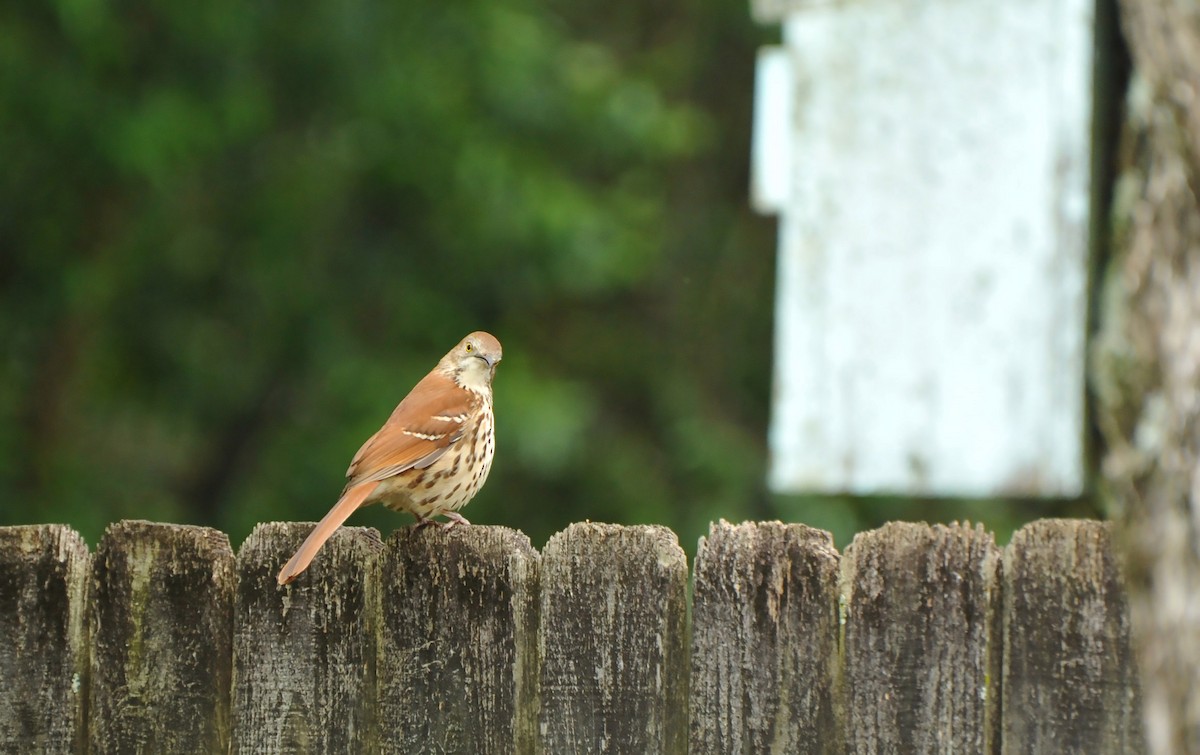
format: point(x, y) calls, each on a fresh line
point(43, 648)
point(1069, 675)
point(457, 658)
point(304, 654)
point(922, 639)
point(765, 640)
point(612, 637)
point(160, 616)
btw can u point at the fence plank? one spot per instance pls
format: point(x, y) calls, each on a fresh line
point(304, 653)
point(1070, 685)
point(922, 639)
point(43, 651)
point(765, 640)
point(613, 641)
point(160, 630)
point(457, 657)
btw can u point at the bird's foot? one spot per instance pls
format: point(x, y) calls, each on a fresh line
point(453, 519)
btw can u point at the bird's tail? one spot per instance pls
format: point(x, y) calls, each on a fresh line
point(341, 511)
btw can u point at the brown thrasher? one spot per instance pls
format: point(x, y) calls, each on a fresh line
point(432, 455)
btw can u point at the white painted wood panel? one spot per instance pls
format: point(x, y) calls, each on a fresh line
point(933, 246)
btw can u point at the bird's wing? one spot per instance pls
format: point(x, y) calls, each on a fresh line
point(425, 424)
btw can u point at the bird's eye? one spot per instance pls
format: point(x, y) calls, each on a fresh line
point(470, 348)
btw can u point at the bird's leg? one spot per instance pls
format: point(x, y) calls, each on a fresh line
point(422, 522)
point(454, 518)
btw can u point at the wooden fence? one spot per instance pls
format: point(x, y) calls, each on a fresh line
point(916, 639)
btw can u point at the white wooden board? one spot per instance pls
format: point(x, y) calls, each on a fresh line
point(933, 246)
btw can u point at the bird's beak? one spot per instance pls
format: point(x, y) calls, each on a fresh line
point(490, 361)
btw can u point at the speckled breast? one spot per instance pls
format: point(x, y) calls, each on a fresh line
point(450, 482)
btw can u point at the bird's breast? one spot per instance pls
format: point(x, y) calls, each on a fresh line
point(453, 480)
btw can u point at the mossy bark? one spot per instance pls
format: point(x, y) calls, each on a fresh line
point(1145, 370)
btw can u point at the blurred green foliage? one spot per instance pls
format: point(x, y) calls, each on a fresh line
point(233, 235)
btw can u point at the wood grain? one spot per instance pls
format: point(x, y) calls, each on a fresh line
point(1070, 684)
point(43, 644)
point(917, 640)
point(304, 653)
point(160, 621)
point(922, 640)
point(613, 641)
point(457, 654)
point(765, 640)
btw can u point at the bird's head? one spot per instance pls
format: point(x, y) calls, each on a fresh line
point(472, 363)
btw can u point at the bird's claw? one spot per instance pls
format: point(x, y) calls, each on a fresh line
point(453, 519)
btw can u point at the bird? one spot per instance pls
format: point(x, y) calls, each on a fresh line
point(431, 456)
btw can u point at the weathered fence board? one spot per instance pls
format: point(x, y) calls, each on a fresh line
point(918, 639)
point(43, 653)
point(160, 621)
point(922, 639)
point(765, 641)
point(1068, 668)
point(304, 654)
point(457, 654)
point(612, 641)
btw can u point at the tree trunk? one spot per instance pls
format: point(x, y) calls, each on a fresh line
point(1146, 363)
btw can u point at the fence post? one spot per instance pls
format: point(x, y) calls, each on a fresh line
point(303, 654)
point(457, 654)
point(922, 639)
point(43, 650)
point(765, 640)
point(1070, 684)
point(160, 614)
point(613, 641)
